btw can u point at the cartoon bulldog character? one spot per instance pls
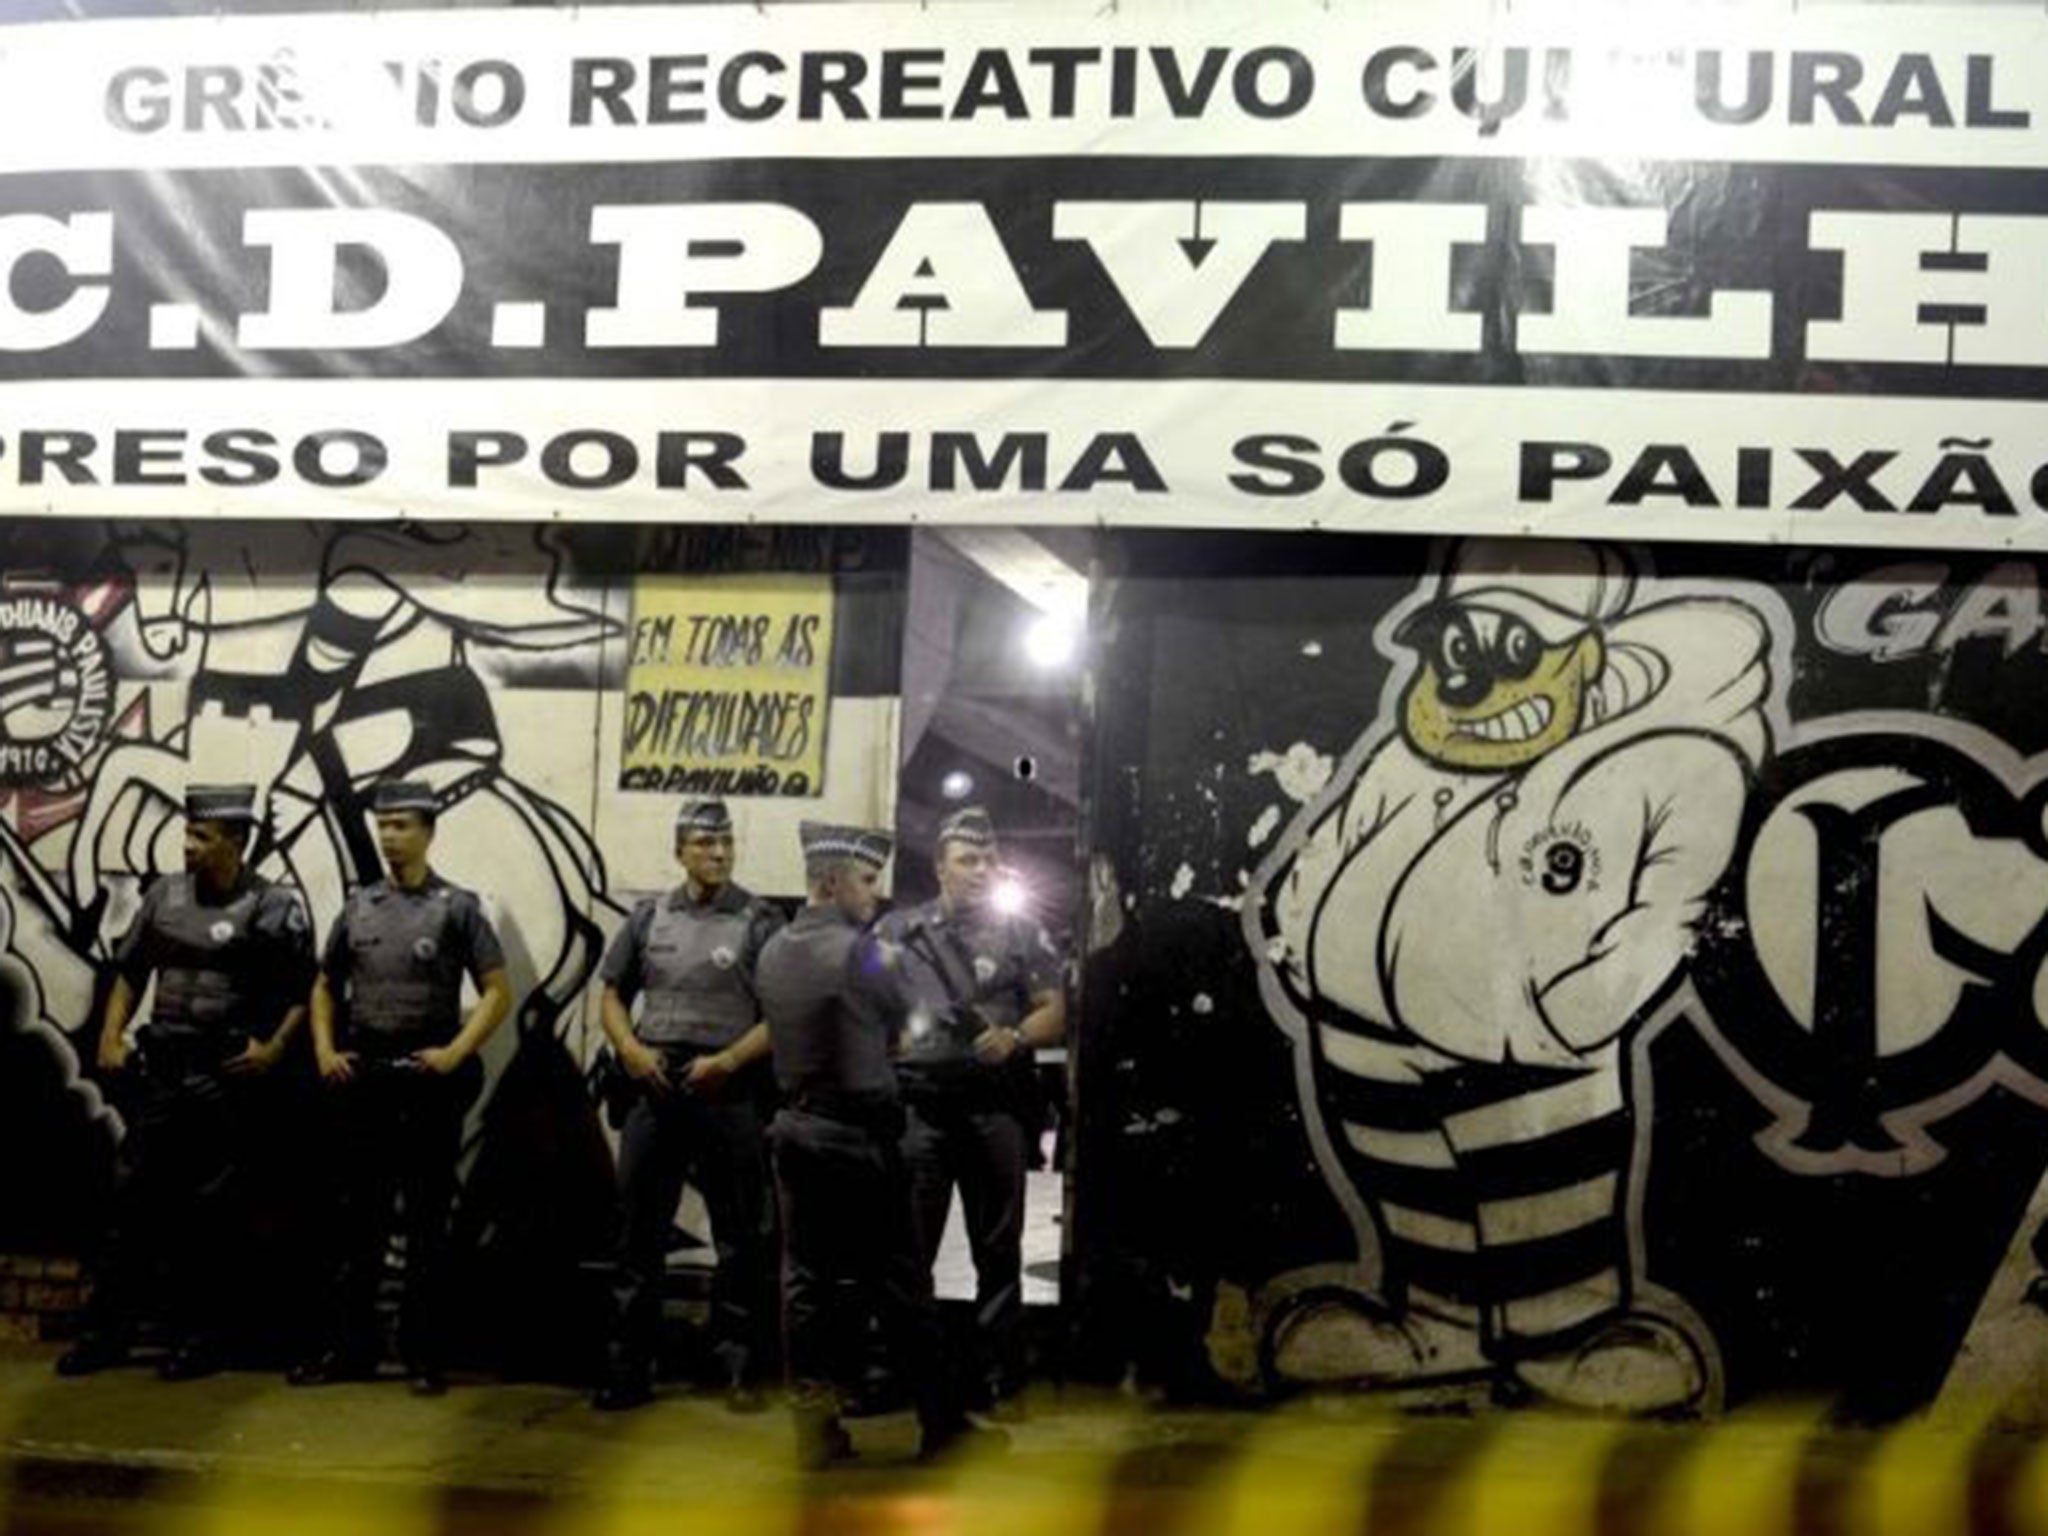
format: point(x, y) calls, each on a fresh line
point(1501, 880)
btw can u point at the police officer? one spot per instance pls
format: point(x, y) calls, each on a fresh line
point(696, 1060)
point(850, 1251)
point(987, 993)
point(401, 1059)
point(230, 953)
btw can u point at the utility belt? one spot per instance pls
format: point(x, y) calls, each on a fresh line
point(381, 1082)
point(392, 1051)
point(173, 1053)
point(616, 1091)
point(676, 1055)
point(970, 1087)
point(878, 1115)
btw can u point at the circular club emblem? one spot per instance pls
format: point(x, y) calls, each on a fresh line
point(425, 949)
point(984, 969)
point(56, 706)
point(724, 958)
point(221, 931)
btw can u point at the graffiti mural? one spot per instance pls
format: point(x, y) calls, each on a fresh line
point(1563, 764)
point(381, 661)
point(314, 660)
point(1611, 977)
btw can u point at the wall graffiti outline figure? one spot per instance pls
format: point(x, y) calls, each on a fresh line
point(379, 677)
point(278, 653)
point(1559, 765)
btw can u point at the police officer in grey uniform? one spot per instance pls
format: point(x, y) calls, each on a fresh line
point(987, 993)
point(830, 995)
point(697, 1061)
point(401, 1059)
point(230, 953)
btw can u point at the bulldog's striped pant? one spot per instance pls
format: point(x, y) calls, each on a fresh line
point(1498, 1189)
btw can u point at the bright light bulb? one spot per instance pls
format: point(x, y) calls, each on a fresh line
point(1009, 896)
point(1052, 640)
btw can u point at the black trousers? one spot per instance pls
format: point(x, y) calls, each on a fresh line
point(980, 1145)
point(850, 1253)
point(397, 1140)
point(179, 1218)
point(721, 1144)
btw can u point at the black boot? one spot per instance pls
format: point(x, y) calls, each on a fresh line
point(623, 1387)
point(426, 1380)
point(944, 1429)
point(188, 1362)
point(743, 1392)
point(331, 1366)
point(94, 1352)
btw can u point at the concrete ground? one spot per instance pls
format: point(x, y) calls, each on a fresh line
point(242, 1452)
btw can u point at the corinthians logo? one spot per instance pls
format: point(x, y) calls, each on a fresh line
point(1875, 960)
point(56, 693)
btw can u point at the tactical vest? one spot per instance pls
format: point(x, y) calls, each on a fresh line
point(694, 985)
point(405, 966)
point(211, 975)
point(951, 963)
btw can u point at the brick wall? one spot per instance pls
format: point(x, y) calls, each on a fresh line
point(39, 1298)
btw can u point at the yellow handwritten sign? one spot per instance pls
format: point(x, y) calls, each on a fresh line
point(727, 685)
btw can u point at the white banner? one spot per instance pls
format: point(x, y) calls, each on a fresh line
point(1727, 275)
point(1929, 85)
